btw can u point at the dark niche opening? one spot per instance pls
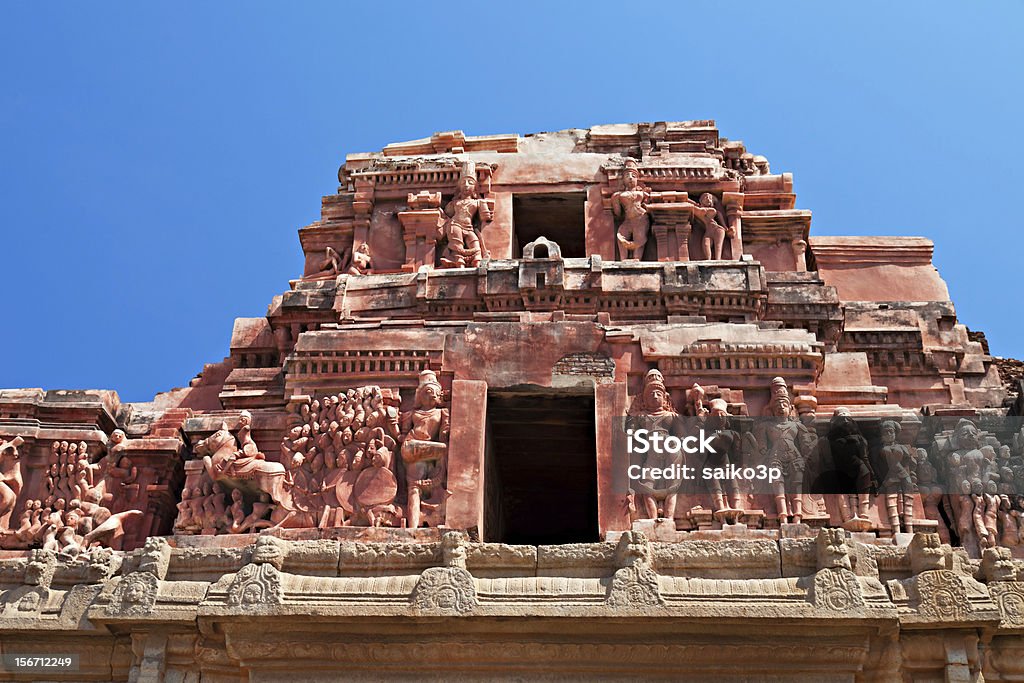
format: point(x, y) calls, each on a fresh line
point(558, 216)
point(540, 469)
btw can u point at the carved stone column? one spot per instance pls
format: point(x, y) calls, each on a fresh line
point(670, 223)
point(420, 224)
point(733, 202)
point(799, 255)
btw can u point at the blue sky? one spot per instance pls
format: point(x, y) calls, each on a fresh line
point(158, 158)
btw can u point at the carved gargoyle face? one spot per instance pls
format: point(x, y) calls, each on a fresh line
point(252, 594)
point(135, 592)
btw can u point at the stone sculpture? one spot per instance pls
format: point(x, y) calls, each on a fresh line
point(652, 410)
point(10, 479)
point(330, 265)
point(340, 458)
point(630, 205)
point(899, 487)
point(711, 215)
point(235, 464)
point(465, 216)
point(361, 263)
point(424, 450)
point(851, 466)
point(780, 443)
point(726, 443)
point(85, 503)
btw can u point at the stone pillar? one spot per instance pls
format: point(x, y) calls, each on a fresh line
point(799, 256)
point(670, 223)
point(420, 224)
point(612, 461)
point(150, 661)
point(465, 509)
point(733, 202)
point(600, 224)
point(497, 234)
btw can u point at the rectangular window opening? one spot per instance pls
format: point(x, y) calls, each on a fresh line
point(540, 469)
point(558, 216)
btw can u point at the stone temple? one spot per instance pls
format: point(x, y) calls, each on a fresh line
point(410, 466)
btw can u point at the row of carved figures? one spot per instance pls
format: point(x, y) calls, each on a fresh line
point(341, 464)
point(459, 226)
point(86, 503)
point(969, 483)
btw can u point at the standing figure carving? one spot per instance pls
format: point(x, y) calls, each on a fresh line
point(899, 486)
point(424, 450)
point(779, 441)
point(726, 445)
point(630, 205)
point(652, 410)
point(10, 479)
point(465, 216)
point(850, 463)
point(711, 215)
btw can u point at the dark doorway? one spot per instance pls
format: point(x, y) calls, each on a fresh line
point(541, 469)
point(556, 216)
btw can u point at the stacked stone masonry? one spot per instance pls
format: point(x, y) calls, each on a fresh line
point(406, 467)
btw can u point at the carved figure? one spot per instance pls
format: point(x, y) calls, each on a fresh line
point(361, 263)
point(932, 494)
point(849, 474)
point(239, 465)
point(465, 244)
point(727, 450)
point(630, 204)
point(779, 444)
point(424, 449)
point(652, 410)
point(112, 531)
point(711, 215)
point(10, 479)
point(330, 265)
point(899, 487)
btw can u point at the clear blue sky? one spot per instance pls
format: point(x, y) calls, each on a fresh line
point(158, 158)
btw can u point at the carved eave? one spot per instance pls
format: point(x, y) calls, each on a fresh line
point(335, 359)
point(852, 251)
point(44, 411)
point(740, 356)
point(804, 300)
point(453, 142)
point(775, 225)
